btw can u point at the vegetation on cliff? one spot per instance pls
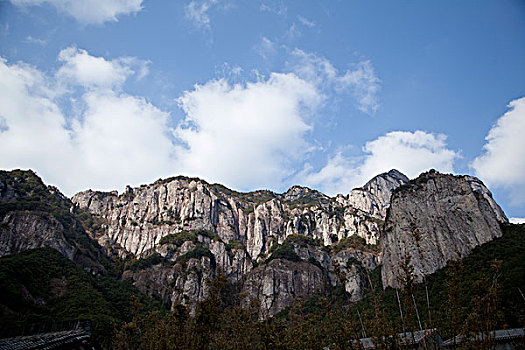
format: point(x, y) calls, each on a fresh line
point(42, 286)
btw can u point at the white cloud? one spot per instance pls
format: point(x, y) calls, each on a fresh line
point(266, 48)
point(34, 132)
point(246, 135)
point(503, 161)
point(306, 22)
point(517, 220)
point(361, 82)
point(90, 11)
point(30, 40)
point(197, 12)
point(122, 139)
point(80, 68)
point(279, 9)
point(364, 85)
point(117, 138)
point(409, 152)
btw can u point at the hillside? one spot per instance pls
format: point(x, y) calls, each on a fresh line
point(42, 286)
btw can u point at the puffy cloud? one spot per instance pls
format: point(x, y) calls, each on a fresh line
point(361, 81)
point(503, 161)
point(249, 135)
point(90, 11)
point(124, 135)
point(246, 135)
point(409, 152)
point(80, 68)
point(116, 139)
point(34, 133)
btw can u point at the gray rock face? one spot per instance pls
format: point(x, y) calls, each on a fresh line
point(478, 187)
point(34, 215)
point(22, 230)
point(280, 282)
point(436, 218)
point(184, 283)
point(140, 217)
point(374, 197)
point(198, 229)
point(232, 260)
point(348, 267)
point(246, 225)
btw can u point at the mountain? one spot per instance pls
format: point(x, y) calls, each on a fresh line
point(177, 239)
point(181, 218)
point(175, 235)
point(436, 218)
point(374, 196)
point(33, 215)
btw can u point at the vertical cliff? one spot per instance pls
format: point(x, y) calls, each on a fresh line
point(436, 218)
point(172, 217)
point(137, 219)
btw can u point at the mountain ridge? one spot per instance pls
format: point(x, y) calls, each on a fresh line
point(177, 233)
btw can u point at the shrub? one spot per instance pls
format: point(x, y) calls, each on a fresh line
point(179, 238)
point(197, 253)
point(233, 244)
point(303, 240)
point(356, 242)
point(285, 251)
point(144, 263)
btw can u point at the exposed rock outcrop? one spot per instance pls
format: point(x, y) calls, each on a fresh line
point(23, 230)
point(184, 283)
point(137, 219)
point(33, 215)
point(374, 197)
point(436, 218)
point(241, 228)
point(280, 282)
point(178, 233)
point(340, 265)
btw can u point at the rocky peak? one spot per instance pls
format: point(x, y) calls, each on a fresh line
point(374, 197)
point(297, 192)
point(433, 219)
point(478, 187)
point(382, 185)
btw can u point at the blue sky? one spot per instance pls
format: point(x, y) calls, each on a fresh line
point(263, 94)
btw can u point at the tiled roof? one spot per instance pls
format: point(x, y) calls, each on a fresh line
point(498, 335)
point(404, 338)
point(46, 341)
